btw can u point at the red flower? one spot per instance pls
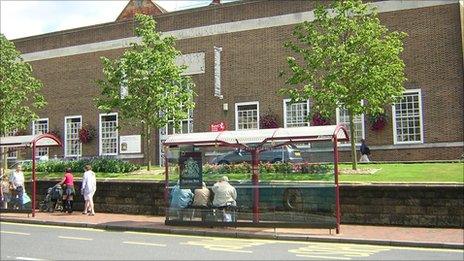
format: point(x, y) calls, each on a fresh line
point(86, 135)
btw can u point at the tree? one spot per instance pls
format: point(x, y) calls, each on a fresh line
point(346, 59)
point(19, 91)
point(144, 84)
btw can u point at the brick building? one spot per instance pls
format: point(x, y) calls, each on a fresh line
point(234, 53)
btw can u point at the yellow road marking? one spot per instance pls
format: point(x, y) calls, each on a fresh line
point(302, 242)
point(51, 226)
point(14, 233)
point(228, 245)
point(143, 243)
point(76, 238)
point(328, 257)
point(343, 252)
point(28, 258)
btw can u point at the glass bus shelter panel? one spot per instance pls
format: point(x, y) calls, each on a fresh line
point(309, 204)
point(280, 204)
point(292, 192)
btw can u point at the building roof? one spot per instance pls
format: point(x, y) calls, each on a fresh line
point(148, 7)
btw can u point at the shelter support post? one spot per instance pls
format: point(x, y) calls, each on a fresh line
point(166, 183)
point(33, 179)
point(255, 182)
point(337, 188)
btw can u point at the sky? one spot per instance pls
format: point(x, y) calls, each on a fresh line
point(26, 18)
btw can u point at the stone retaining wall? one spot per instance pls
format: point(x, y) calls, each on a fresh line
point(408, 205)
point(399, 205)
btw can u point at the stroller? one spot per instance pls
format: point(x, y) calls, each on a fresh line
point(53, 199)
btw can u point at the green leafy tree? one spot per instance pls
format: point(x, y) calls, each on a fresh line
point(145, 85)
point(19, 91)
point(346, 58)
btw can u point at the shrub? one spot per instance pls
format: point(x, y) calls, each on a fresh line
point(266, 167)
point(99, 164)
point(283, 167)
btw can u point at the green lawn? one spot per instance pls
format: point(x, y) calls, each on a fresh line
point(410, 173)
point(386, 173)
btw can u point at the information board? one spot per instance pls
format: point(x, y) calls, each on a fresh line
point(190, 170)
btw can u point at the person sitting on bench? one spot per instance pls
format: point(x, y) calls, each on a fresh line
point(181, 199)
point(224, 196)
point(201, 199)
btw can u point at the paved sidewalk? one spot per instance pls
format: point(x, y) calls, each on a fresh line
point(380, 235)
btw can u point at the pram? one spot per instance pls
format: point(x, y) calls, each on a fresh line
point(53, 199)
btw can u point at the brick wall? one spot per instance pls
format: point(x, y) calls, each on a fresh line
point(251, 62)
point(398, 205)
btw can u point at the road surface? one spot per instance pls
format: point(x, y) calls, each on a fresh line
point(43, 242)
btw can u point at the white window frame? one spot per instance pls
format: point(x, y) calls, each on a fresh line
point(421, 126)
point(363, 130)
point(14, 154)
point(66, 137)
point(242, 104)
point(34, 133)
point(165, 129)
point(285, 101)
point(100, 143)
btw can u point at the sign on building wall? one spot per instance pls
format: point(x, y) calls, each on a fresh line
point(130, 144)
point(190, 170)
point(195, 63)
point(219, 126)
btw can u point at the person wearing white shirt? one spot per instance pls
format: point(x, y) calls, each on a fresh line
point(17, 182)
point(224, 196)
point(89, 186)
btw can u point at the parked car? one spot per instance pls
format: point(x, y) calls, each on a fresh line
point(287, 153)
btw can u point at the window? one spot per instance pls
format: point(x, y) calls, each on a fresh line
point(295, 114)
point(186, 126)
point(40, 126)
point(358, 120)
point(247, 116)
point(407, 118)
point(12, 154)
point(123, 89)
point(109, 134)
point(72, 144)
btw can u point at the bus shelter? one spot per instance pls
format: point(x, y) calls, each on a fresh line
point(256, 143)
point(33, 142)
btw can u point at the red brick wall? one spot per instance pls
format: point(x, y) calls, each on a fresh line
point(251, 62)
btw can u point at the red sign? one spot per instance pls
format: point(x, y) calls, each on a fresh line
point(220, 126)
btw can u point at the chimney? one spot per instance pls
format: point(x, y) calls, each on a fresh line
point(215, 2)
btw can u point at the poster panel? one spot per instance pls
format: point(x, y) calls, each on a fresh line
point(191, 170)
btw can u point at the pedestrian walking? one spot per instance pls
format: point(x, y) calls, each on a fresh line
point(89, 186)
point(68, 181)
point(5, 190)
point(17, 185)
point(365, 151)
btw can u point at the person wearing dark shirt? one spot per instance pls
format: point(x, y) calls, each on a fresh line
point(365, 151)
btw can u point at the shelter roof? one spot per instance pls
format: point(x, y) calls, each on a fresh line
point(43, 140)
point(248, 137)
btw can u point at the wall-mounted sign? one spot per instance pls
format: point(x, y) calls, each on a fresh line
point(219, 126)
point(190, 170)
point(130, 144)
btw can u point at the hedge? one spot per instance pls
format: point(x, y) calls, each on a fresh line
point(245, 168)
point(100, 164)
